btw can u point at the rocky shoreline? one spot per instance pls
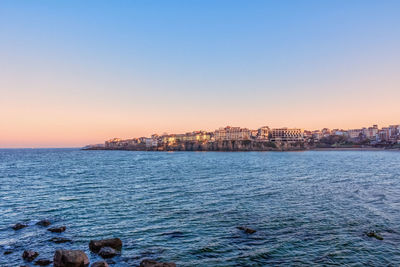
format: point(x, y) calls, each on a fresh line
point(244, 146)
point(222, 146)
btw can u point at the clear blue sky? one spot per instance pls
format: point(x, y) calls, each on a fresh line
point(74, 72)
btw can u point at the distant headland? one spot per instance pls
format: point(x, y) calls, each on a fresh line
point(263, 139)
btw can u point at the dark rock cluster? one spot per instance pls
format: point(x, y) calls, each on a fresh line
point(19, 226)
point(105, 248)
point(246, 229)
point(374, 235)
point(57, 229)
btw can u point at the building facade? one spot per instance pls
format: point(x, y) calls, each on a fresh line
point(232, 133)
point(287, 135)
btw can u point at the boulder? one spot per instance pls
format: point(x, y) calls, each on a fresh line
point(70, 258)
point(57, 229)
point(42, 262)
point(100, 264)
point(96, 245)
point(19, 226)
point(374, 235)
point(59, 240)
point(29, 255)
point(107, 252)
point(43, 223)
point(246, 230)
point(153, 263)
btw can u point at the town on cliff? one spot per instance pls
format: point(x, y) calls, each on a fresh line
point(262, 139)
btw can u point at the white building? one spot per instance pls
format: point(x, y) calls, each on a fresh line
point(287, 134)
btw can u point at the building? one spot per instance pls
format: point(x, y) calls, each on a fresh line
point(384, 134)
point(287, 135)
point(151, 142)
point(370, 133)
point(394, 132)
point(232, 133)
point(355, 133)
point(263, 133)
point(326, 132)
point(112, 143)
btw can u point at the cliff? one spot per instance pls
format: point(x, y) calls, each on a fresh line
point(228, 145)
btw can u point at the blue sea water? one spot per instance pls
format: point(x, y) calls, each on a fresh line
point(309, 208)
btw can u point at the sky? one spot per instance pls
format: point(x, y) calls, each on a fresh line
point(80, 72)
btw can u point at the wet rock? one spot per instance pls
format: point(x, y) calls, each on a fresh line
point(19, 226)
point(44, 223)
point(96, 245)
point(374, 235)
point(107, 252)
point(100, 264)
point(246, 230)
point(57, 229)
point(29, 255)
point(153, 263)
point(7, 252)
point(42, 262)
point(70, 258)
point(59, 240)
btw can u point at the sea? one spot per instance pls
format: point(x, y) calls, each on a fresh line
point(311, 208)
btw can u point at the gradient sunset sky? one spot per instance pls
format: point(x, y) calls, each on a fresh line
point(80, 72)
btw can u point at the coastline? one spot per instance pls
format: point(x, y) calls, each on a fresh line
point(270, 150)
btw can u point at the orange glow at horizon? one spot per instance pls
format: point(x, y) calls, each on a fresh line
point(172, 67)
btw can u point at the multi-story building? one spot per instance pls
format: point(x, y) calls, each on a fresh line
point(197, 136)
point(394, 132)
point(383, 134)
point(354, 133)
point(232, 133)
point(263, 133)
point(151, 142)
point(370, 132)
point(326, 132)
point(339, 132)
point(287, 135)
point(118, 142)
point(112, 143)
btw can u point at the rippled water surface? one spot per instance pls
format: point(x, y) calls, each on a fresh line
point(309, 208)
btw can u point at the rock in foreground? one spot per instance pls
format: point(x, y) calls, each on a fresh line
point(57, 229)
point(96, 245)
point(246, 230)
point(70, 258)
point(153, 263)
point(100, 264)
point(19, 226)
point(43, 223)
point(374, 235)
point(29, 255)
point(107, 252)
